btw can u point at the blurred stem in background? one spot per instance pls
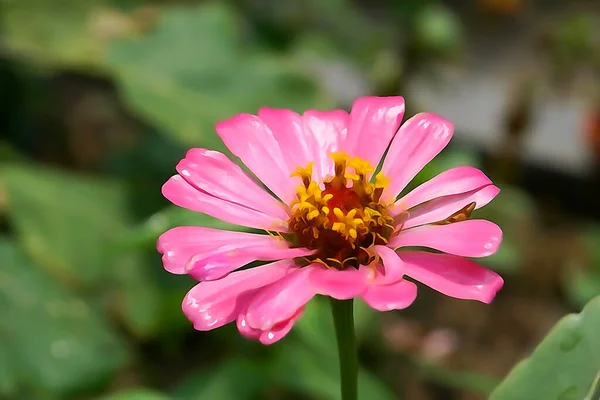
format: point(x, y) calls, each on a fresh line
point(517, 122)
point(343, 319)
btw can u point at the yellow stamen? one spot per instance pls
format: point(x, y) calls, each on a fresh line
point(305, 173)
point(341, 218)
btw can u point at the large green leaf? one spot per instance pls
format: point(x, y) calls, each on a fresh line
point(70, 225)
point(55, 341)
point(564, 366)
point(193, 70)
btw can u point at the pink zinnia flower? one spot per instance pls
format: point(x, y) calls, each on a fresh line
point(334, 228)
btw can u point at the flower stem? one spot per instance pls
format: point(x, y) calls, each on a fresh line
point(343, 319)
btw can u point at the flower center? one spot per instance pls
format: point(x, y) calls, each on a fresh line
point(342, 218)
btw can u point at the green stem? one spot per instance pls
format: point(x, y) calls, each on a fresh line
point(343, 319)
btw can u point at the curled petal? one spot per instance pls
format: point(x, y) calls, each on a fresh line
point(393, 296)
point(392, 265)
point(418, 141)
point(443, 207)
point(280, 301)
point(452, 275)
point(212, 172)
point(215, 266)
point(339, 284)
point(249, 138)
point(471, 238)
point(373, 123)
point(453, 181)
point(212, 304)
point(245, 329)
point(182, 194)
point(270, 336)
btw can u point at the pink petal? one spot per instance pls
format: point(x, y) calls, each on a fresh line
point(245, 329)
point(178, 245)
point(471, 238)
point(296, 143)
point(329, 129)
point(453, 181)
point(215, 174)
point(181, 193)
point(339, 284)
point(393, 270)
point(452, 275)
point(250, 139)
point(394, 296)
point(419, 140)
point(280, 301)
point(229, 258)
point(212, 304)
point(373, 123)
point(270, 336)
point(443, 207)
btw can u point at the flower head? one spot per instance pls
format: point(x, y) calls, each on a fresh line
point(333, 226)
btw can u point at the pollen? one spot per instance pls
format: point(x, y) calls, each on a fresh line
point(342, 216)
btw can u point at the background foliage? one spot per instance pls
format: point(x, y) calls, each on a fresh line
point(101, 98)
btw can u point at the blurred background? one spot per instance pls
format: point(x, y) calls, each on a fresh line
point(99, 99)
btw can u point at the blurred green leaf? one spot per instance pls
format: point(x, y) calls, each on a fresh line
point(310, 365)
point(315, 328)
point(575, 35)
point(463, 380)
point(563, 366)
point(66, 222)
point(511, 210)
point(582, 282)
point(55, 340)
point(314, 373)
point(8, 377)
point(70, 225)
point(450, 158)
point(236, 379)
point(9, 154)
point(193, 70)
point(139, 300)
point(57, 31)
point(591, 239)
point(438, 30)
point(172, 216)
point(137, 394)
point(582, 286)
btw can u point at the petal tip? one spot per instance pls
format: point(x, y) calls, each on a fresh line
point(235, 121)
point(493, 289)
